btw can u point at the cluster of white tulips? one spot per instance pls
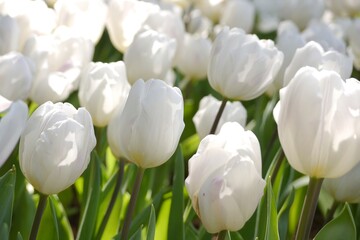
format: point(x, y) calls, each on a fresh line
point(121, 119)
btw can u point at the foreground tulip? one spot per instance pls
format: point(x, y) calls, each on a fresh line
point(345, 188)
point(104, 87)
point(209, 106)
point(148, 130)
point(224, 182)
point(241, 66)
point(318, 123)
point(11, 125)
point(55, 146)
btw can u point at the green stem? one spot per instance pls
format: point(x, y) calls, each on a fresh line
point(115, 194)
point(331, 211)
point(221, 235)
point(308, 210)
point(131, 206)
point(39, 212)
point(218, 116)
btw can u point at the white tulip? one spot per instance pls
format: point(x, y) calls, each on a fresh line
point(125, 18)
point(87, 18)
point(267, 12)
point(103, 88)
point(16, 74)
point(318, 118)
point(11, 126)
point(194, 56)
point(148, 130)
point(10, 35)
point(313, 55)
point(149, 56)
point(240, 14)
point(224, 182)
point(241, 66)
point(354, 43)
point(209, 106)
point(55, 146)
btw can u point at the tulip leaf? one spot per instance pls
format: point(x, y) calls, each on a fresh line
point(19, 237)
point(283, 215)
point(267, 219)
point(151, 225)
point(7, 186)
point(54, 222)
point(176, 225)
point(342, 227)
point(4, 231)
point(88, 219)
point(136, 235)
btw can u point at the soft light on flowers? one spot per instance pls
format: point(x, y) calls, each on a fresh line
point(241, 66)
point(103, 88)
point(10, 34)
point(240, 14)
point(148, 130)
point(224, 182)
point(55, 146)
point(345, 188)
point(209, 106)
point(87, 18)
point(345, 8)
point(318, 118)
point(125, 18)
point(149, 56)
point(60, 59)
point(354, 42)
point(192, 60)
point(313, 55)
point(16, 74)
point(12, 124)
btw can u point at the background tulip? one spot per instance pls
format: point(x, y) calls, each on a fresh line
point(55, 146)
point(345, 188)
point(148, 130)
point(10, 34)
point(209, 106)
point(149, 56)
point(11, 125)
point(234, 67)
point(224, 182)
point(240, 14)
point(318, 123)
point(104, 87)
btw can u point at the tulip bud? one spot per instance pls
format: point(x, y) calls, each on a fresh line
point(239, 13)
point(224, 182)
point(313, 55)
point(194, 56)
point(125, 19)
point(55, 146)
point(345, 188)
point(16, 74)
point(234, 68)
point(148, 130)
point(209, 106)
point(149, 56)
point(318, 123)
point(104, 87)
point(11, 125)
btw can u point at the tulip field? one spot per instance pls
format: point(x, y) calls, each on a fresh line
point(180, 119)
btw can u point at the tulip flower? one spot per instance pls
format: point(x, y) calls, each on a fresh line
point(148, 130)
point(11, 125)
point(55, 146)
point(125, 19)
point(318, 123)
point(149, 56)
point(345, 188)
point(234, 68)
point(194, 56)
point(104, 87)
point(313, 55)
point(10, 34)
point(209, 106)
point(16, 74)
point(239, 13)
point(224, 182)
